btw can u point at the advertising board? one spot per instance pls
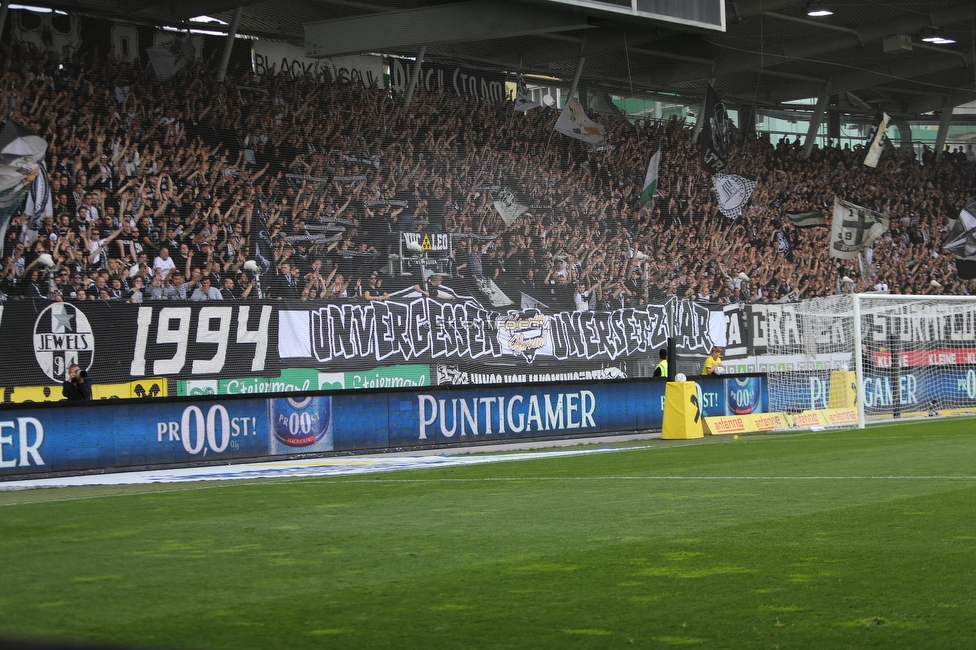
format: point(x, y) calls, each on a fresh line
point(40, 439)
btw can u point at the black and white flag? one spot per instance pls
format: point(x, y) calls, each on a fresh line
point(961, 241)
point(574, 123)
point(876, 145)
point(716, 133)
point(522, 102)
point(170, 58)
point(854, 228)
point(733, 193)
point(509, 207)
point(22, 171)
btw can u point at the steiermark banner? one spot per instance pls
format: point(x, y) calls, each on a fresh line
point(305, 379)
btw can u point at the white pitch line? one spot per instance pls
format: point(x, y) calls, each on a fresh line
point(307, 468)
point(944, 477)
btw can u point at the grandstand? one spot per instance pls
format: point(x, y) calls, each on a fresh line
point(360, 173)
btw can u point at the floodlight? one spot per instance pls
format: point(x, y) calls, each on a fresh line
point(815, 10)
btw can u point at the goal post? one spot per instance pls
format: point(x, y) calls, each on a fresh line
point(916, 356)
point(890, 356)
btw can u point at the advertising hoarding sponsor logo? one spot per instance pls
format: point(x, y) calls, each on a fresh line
point(24, 450)
point(405, 376)
point(486, 415)
point(727, 425)
point(300, 424)
point(309, 379)
point(743, 395)
point(808, 419)
point(838, 417)
point(200, 434)
point(453, 375)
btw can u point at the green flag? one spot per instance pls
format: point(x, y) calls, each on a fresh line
point(807, 219)
point(650, 181)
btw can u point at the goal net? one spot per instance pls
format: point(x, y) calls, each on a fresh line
point(888, 356)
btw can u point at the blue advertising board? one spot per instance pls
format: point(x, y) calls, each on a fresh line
point(917, 389)
point(123, 434)
point(505, 413)
point(39, 439)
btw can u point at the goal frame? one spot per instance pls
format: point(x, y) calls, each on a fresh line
point(857, 299)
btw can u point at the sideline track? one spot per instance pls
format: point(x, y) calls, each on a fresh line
point(335, 466)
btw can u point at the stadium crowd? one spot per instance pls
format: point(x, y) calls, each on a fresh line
point(163, 191)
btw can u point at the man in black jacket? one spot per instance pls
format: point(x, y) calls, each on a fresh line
point(77, 386)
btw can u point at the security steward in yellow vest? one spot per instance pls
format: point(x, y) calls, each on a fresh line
point(661, 369)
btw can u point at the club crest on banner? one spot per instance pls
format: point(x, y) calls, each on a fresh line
point(524, 332)
point(63, 336)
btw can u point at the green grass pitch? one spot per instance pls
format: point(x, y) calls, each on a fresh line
point(853, 539)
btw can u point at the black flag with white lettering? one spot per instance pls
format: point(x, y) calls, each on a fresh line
point(716, 133)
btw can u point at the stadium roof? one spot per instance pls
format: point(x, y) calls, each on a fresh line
point(869, 54)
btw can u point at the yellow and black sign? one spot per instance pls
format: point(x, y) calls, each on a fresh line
point(144, 388)
point(682, 412)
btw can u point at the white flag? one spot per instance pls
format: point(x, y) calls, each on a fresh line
point(854, 228)
point(170, 58)
point(733, 193)
point(574, 123)
point(877, 144)
point(508, 206)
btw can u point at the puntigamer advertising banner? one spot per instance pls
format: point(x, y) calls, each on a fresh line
point(118, 434)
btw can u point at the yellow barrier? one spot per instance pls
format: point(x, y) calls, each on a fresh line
point(151, 387)
point(843, 390)
point(682, 412)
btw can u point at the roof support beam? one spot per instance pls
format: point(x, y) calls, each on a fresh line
point(454, 23)
point(4, 7)
point(815, 120)
point(745, 8)
point(908, 69)
point(181, 10)
point(414, 76)
point(944, 121)
point(229, 45)
point(543, 51)
point(740, 62)
point(931, 103)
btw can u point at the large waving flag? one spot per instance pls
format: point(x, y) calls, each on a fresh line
point(574, 123)
point(716, 133)
point(509, 207)
point(650, 179)
point(733, 193)
point(22, 171)
point(853, 229)
point(170, 58)
point(877, 143)
point(961, 241)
